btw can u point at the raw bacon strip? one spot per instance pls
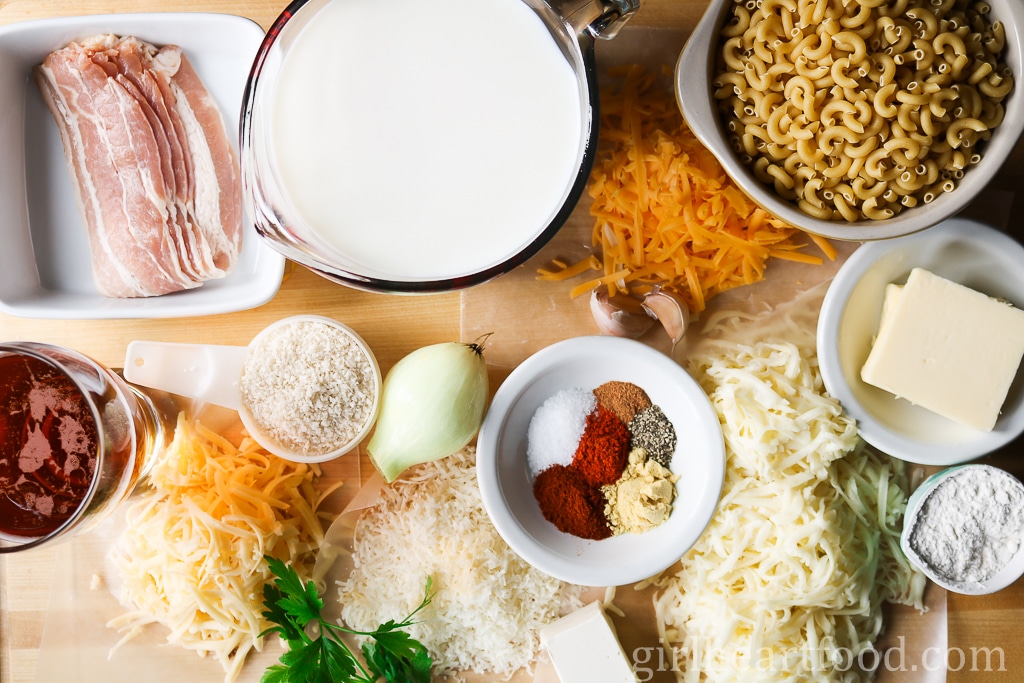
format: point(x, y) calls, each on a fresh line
point(155, 174)
point(130, 69)
point(125, 225)
point(214, 208)
point(166, 127)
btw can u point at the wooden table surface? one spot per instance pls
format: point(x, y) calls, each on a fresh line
point(394, 326)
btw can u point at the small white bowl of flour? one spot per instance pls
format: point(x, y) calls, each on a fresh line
point(964, 528)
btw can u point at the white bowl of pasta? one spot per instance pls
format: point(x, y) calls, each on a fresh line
point(857, 122)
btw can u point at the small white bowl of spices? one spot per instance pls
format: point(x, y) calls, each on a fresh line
point(964, 528)
point(307, 388)
point(600, 461)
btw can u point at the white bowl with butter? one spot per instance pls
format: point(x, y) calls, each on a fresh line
point(963, 251)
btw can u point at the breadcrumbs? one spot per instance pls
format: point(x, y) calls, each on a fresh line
point(309, 386)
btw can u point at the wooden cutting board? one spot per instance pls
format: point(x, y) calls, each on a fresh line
point(524, 315)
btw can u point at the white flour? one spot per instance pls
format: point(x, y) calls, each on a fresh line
point(971, 524)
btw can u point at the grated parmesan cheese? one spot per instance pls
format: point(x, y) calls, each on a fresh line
point(489, 604)
point(191, 556)
point(787, 582)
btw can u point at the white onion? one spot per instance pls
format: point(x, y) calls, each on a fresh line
point(432, 404)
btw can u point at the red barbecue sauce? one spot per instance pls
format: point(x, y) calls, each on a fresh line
point(48, 440)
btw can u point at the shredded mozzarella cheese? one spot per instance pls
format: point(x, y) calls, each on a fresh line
point(191, 556)
point(787, 582)
point(489, 604)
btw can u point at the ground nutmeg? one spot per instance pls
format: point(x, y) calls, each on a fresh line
point(625, 399)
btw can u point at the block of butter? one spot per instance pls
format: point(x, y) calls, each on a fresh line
point(584, 648)
point(947, 348)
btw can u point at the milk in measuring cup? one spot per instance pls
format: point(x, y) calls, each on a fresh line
point(426, 140)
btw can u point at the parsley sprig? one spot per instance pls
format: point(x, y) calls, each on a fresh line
point(388, 651)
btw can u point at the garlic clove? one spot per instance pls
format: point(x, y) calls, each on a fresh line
point(671, 311)
point(619, 316)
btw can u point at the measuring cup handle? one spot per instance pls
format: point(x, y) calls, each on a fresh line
point(204, 372)
point(596, 18)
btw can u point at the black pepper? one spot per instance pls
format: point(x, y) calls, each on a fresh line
point(653, 432)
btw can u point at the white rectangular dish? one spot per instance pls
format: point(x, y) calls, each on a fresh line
point(45, 270)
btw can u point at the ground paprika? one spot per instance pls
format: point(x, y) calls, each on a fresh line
point(603, 451)
point(570, 503)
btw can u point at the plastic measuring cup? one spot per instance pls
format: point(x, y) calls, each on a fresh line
point(212, 373)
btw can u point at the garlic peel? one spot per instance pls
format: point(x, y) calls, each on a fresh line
point(619, 317)
point(671, 311)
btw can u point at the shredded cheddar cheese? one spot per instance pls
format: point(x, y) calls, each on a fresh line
point(191, 556)
point(665, 211)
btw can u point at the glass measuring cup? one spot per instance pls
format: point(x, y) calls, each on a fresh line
point(74, 441)
point(213, 373)
point(301, 235)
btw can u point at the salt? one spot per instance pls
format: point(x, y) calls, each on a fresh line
point(556, 428)
point(971, 524)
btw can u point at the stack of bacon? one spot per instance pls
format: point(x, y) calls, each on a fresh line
point(156, 176)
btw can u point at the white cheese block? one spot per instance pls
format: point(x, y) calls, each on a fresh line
point(584, 648)
point(947, 348)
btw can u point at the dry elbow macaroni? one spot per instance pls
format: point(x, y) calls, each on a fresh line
point(857, 109)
